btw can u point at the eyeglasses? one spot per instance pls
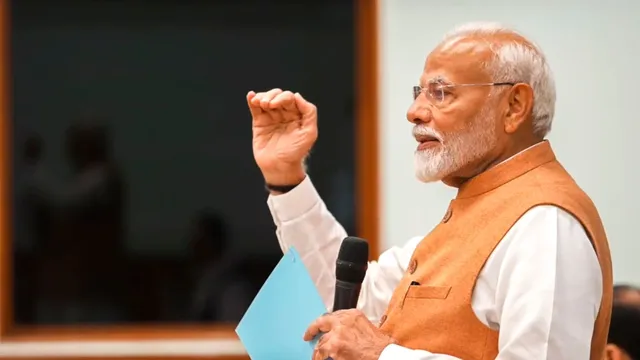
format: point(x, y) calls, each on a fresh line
point(439, 94)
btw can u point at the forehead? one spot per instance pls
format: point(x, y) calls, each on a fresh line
point(459, 60)
point(630, 296)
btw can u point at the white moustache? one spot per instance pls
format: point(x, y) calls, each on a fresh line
point(423, 130)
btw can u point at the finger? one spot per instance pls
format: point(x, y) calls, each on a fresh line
point(288, 116)
point(283, 100)
point(322, 340)
point(287, 103)
point(322, 324)
point(254, 109)
point(266, 98)
point(319, 355)
point(305, 107)
point(278, 117)
point(255, 100)
point(317, 351)
point(327, 348)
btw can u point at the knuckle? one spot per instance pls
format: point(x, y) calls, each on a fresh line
point(332, 346)
point(337, 345)
point(351, 313)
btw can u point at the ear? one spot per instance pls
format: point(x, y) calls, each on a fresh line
point(519, 107)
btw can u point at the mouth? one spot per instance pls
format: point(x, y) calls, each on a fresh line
point(426, 141)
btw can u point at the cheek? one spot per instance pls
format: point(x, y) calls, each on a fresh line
point(451, 120)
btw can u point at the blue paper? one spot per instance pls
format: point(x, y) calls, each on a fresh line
point(288, 302)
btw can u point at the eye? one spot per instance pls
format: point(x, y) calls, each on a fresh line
point(437, 92)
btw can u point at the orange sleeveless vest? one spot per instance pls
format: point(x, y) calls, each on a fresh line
point(436, 315)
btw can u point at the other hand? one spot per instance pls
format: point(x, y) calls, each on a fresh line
point(347, 335)
point(284, 130)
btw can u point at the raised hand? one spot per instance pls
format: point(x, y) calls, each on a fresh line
point(284, 130)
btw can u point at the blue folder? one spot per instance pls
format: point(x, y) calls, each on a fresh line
point(288, 302)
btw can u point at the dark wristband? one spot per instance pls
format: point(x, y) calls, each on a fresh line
point(280, 188)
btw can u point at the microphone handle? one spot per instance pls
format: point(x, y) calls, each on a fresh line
point(346, 295)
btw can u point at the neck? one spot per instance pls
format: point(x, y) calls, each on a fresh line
point(461, 177)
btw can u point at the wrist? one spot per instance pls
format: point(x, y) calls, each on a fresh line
point(284, 178)
point(279, 189)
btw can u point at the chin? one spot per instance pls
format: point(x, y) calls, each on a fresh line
point(429, 169)
point(427, 179)
point(426, 176)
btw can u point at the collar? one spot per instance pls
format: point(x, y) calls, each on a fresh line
point(508, 170)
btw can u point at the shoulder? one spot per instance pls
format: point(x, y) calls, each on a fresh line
point(549, 235)
point(549, 216)
point(549, 246)
point(549, 225)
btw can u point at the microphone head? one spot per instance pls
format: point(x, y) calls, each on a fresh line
point(353, 259)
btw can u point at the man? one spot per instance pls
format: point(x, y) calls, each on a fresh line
point(220, 292)
point(624, 335)
point(519, 267)
point(84, 270)
point(626, 294)
point(35, 227)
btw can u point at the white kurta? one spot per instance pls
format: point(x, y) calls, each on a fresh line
point(541, 287)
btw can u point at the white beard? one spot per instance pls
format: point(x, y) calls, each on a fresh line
point(455, 150)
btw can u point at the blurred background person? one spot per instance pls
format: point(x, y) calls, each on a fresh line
point(626, 294)
point(220, 292)
point(624, 333)
point(35, 228)
point(85, 267)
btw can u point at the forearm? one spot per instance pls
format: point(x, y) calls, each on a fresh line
point(304, 222)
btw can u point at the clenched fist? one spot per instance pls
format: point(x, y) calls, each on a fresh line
point(284, 130)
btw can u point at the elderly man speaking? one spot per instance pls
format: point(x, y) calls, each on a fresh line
point(518, 268)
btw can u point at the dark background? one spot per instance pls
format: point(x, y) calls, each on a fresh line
point(163, 84)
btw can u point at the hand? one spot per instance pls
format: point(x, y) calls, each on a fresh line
point(284, 130)
point(347, 335)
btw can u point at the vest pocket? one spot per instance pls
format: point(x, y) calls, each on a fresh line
point(428, 292)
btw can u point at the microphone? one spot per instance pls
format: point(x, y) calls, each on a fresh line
point(351, 267)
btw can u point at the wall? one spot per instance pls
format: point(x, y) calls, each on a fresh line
point(594, 57)
point(172, 89)
point(60, 55)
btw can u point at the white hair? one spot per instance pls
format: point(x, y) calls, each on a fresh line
point(517, 62)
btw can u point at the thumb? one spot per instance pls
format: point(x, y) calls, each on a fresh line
point(305, 107)
point(254, 109)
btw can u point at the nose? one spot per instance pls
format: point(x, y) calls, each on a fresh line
point(419, 112)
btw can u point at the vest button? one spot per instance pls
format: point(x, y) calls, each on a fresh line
point(447, 215)
point(413, 266)
point(383, 319)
